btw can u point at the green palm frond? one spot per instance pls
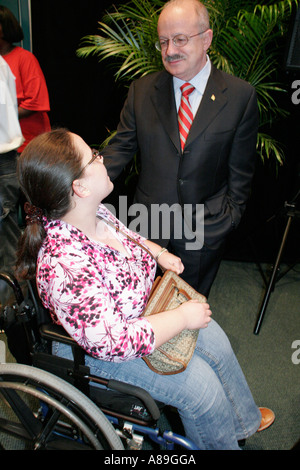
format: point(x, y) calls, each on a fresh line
point(248, 46)
point(128, 35)
point(267, 147)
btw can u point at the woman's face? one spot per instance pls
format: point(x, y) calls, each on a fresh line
point(94, 176)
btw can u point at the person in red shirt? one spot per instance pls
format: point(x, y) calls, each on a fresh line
point(32, 92)
point(33, 108)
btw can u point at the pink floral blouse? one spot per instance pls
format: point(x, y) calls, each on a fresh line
point(95, 292)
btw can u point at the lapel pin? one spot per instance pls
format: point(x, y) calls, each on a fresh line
point(213, 97)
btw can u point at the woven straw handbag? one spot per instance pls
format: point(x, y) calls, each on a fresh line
point(169, 292)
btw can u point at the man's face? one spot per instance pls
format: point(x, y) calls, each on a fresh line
point(183, 62)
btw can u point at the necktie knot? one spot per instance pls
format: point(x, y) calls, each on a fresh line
point(185, 114)
point(186, 89)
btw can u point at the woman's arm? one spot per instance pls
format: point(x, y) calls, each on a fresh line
point(190, 315)
point(166, 260)
point(94, 309)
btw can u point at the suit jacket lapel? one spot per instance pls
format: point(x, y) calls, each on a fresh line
point(212, 102)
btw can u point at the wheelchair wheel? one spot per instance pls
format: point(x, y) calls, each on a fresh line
point(40, 411)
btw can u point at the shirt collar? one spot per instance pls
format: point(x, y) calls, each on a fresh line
point(199, 81)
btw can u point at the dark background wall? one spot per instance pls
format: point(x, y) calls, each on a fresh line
point(85, 98)
point(83, 94)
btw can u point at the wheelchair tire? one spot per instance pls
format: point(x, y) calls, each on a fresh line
point(68, 412)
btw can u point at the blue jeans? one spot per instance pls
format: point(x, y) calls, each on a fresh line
point(212, 396)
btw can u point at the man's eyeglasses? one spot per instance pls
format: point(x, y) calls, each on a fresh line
point(180, 40)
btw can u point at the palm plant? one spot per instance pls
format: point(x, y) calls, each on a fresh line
point(247, 43)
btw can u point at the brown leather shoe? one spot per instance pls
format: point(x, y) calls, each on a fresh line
point(267, 418)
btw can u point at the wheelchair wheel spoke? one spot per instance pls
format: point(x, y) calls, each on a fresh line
point(61, 416)
point(31, 425)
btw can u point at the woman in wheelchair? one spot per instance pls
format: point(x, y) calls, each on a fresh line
point(96, 282)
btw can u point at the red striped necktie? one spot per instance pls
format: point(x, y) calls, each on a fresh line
point(185, 114)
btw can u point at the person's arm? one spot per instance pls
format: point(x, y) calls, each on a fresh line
point(123, 145)
point(92, 310)
point(190, 315)
point(242, 158)
point(166, 260)
point(23, 113)
point(35, 92)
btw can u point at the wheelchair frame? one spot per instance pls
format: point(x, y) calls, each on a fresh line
point(107, 414)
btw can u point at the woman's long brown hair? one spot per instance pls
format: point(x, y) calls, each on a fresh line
point(46, 169)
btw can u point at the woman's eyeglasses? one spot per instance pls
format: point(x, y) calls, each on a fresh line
point(96, 154)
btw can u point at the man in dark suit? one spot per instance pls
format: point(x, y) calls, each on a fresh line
point(214, 169)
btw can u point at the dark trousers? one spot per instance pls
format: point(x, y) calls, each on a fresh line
point(201, 263)
point(9, 227)
point(200, 266)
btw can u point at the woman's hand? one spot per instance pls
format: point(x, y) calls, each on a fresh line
point(197, 314)
point(189, 315)
point(168, 261)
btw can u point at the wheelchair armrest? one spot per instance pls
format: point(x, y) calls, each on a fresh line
point(53, 332)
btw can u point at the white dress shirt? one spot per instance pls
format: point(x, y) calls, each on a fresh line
point(199, 82)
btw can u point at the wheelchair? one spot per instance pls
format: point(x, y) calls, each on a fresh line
point(52, 403)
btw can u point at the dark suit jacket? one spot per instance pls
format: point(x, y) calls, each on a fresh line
point(218, 161)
